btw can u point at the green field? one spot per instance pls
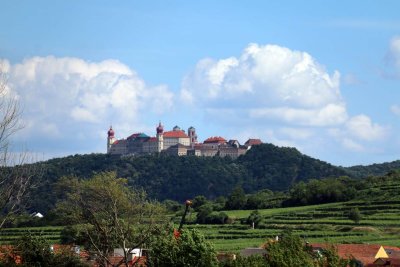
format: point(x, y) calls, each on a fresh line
point(318, 223)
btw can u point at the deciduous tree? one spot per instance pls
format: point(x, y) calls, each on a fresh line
point(237, 199)
point(254, 218)
point(288, 251)
point(355, 215)
point(111, 215)
point(189, 250)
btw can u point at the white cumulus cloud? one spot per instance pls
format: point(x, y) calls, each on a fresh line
point(284, 91)
point(362, 127)
point(268, 81)
point(69, 97)
point(352, 145)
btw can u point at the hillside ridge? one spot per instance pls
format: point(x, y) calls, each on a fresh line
point(163, 177)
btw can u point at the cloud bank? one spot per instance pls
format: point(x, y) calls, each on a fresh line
point(270, 82)
point(270, 92)
point(285, 91)
point(70, 98)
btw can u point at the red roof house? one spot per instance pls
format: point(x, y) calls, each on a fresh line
point(368, 254)
point(215, 140)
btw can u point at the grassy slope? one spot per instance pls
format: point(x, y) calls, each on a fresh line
point(379, 205)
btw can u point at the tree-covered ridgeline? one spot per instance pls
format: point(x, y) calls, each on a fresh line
point(361, 171)
point(178, 178)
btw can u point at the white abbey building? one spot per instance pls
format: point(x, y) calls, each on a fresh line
point(176, 142)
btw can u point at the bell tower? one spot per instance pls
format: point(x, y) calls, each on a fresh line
point(110, 139)
point(192, 135)
point(160, 137)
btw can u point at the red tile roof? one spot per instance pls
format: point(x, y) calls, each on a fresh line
point(362, 252)
point(119, 141)
point(175, 134)
point(215, 139)
point(6, 250)
point(253, 142)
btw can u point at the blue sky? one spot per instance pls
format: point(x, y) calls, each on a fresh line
point(322, 76)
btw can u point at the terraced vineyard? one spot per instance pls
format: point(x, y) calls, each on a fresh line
point(9, 235)
point(319, 223)
point(379, 205)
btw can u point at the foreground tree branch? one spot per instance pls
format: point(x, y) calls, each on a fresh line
point(15, 175)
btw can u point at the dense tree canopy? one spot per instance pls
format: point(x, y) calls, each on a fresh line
point(189, 250)
point(380, 169)
point(322, 191)
point(236, 200)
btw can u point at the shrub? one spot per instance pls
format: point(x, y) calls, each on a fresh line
point(189, 249)
point(254, 217)
point(355, 215)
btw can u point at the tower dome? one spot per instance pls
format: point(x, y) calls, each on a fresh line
point(160, 128)
point(110, 132)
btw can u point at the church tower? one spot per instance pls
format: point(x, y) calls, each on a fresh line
point(110, 139)
point(160, 137)
point(192, 135)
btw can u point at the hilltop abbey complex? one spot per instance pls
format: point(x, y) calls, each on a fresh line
point(176, 142)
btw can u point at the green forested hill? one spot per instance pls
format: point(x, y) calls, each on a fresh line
point(277, 168)
point(179, 178)
point(361, 171)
